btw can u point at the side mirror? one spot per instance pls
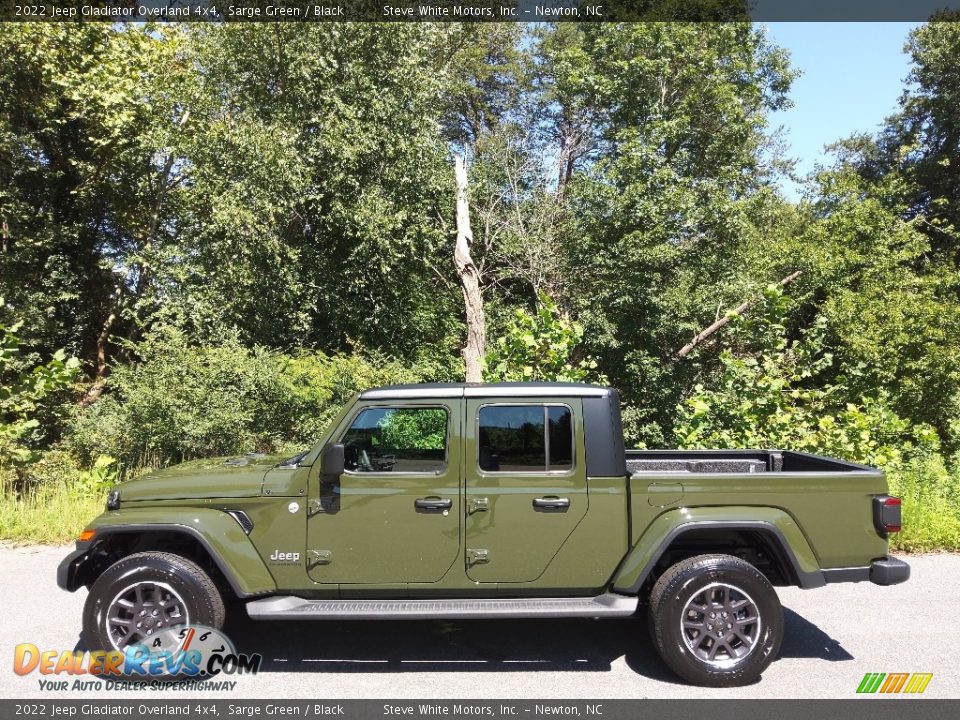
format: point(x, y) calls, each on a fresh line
point(331, 461)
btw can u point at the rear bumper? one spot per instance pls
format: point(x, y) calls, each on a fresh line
point(885, 571)
point(889, 571)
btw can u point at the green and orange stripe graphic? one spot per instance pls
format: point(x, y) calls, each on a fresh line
point(913, 683)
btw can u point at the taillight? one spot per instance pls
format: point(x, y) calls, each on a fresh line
point(887, 514)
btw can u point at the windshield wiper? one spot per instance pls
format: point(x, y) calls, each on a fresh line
point(293, 461)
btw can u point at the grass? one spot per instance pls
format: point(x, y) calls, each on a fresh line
point(931, 507)
point(51, 516)
point(931, 525)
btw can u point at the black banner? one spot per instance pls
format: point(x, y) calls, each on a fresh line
point(476, 10)
point(854, 709)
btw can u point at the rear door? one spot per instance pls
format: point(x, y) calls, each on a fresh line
point(526, 487)
point(394, 515)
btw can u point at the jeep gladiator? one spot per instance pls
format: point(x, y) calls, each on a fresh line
point(489, 501)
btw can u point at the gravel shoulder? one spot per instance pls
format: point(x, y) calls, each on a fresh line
point(834, 635)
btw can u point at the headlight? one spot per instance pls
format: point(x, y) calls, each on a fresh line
point(113, 500)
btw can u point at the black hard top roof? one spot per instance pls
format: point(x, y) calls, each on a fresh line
point(485, 390)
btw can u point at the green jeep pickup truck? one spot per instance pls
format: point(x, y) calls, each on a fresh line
point(489, 501)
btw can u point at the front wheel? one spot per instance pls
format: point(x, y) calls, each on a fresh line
point(144, 594)
point(716, 620)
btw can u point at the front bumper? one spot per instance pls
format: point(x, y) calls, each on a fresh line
point(69, 569)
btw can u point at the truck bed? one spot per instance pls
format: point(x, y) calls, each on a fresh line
point(732, 461)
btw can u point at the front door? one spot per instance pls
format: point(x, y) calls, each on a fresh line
point(526, 487)
point(394, 515)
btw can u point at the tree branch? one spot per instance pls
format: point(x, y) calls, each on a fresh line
point(739, 310)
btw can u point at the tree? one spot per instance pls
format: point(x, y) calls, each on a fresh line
point(891, 306)
point(475, 345)
point(776, 392)
point(316, 189)
point(672, 206)
point(921, 142)
point(86, 113)
point(881, 243)
point(539, 346)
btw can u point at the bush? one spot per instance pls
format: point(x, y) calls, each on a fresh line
point(931, 505)
point(52, 498)
point(182, 401)
point(318, 385)
point(30, 398)
point(777, 392)
point(539, 346)
point(774, 395)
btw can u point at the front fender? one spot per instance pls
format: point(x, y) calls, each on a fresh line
point(640, 561)
point(219, 534)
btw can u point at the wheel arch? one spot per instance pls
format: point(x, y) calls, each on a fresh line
point(213, 539)
point(787, 558)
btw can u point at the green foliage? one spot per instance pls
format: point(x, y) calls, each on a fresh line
point(414, 429)
point(183, 401)
point(931, 504)
point(86, 112)
point(670, 221)
point(315, 175)
point(26, 397)
point(538, 346)
point(889, 305)
point(243, 225)
point(771, 393)
point(49, 513)
point(318, 384)
point(97, 479)
point(51, 499)
point(775, 392)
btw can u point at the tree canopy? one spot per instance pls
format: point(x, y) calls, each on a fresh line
point(278, 191)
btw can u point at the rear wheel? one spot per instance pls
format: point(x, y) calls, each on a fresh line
point(144, 594)
point(716, 620)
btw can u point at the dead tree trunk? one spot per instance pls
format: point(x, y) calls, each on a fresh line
point(739, 310)
point(475, 346)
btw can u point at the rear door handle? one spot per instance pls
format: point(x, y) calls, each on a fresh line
point(433, 503)
point(551, 503)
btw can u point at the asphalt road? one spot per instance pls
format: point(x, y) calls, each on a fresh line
point(833, 636)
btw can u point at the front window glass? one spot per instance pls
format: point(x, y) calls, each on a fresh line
point(397, 440)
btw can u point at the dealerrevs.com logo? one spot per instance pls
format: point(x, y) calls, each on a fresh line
point(181, 657)
point(893, 683)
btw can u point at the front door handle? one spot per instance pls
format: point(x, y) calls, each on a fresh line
point(551, 503)
point(433, 503)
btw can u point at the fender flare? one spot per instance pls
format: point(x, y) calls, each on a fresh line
point(219, 534)
point(776, 523)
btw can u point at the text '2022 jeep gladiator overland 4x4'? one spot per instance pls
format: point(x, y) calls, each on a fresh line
point(489, 501)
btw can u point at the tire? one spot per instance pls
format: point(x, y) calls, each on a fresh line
point(722, 651)
point(169, 590)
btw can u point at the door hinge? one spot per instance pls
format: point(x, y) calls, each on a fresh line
point(329, 504)
point(319, 557)
point(477, 504)
point(478, 556)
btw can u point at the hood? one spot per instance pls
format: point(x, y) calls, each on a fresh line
point(210, 478)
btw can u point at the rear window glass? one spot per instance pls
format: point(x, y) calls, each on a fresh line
point(525, 438)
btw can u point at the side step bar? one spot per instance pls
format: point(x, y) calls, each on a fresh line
point(288, 607)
